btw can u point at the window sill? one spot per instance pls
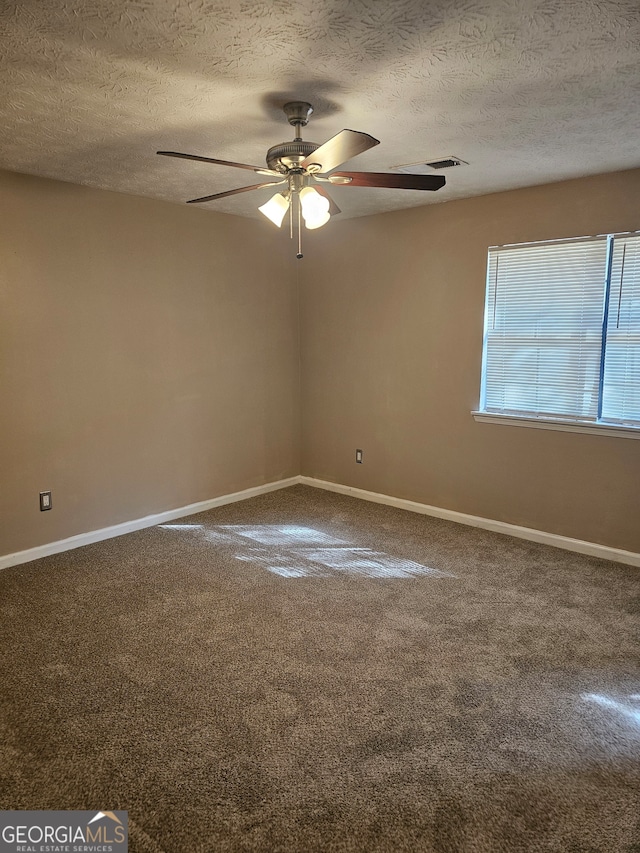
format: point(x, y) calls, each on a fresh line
point(557, 424)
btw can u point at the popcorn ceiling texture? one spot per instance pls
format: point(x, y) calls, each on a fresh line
point(527, 91)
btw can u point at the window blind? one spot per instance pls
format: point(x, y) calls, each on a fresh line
point(544, 329)
point(621, 383)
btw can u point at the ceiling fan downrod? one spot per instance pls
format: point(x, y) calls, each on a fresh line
point(289, 155)
point(298, 114)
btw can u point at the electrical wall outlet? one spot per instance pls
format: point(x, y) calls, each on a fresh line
point(45, 501)
point(359, 456)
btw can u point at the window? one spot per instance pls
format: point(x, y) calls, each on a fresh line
point(562, 332)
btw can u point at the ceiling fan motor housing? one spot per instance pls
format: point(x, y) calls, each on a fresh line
point(289, 155)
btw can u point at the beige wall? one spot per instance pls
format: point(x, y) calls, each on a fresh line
point(391, 330)
point(148, 358)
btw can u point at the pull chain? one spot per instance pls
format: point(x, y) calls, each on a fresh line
point(299, 206)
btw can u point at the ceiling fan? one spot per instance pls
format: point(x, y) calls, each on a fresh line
point(301, 165)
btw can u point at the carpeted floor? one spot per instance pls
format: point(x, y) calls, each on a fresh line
point(308, 672)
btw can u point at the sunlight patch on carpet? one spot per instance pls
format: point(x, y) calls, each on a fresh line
point(285, 534)
point(629, 709)
point(296, 551)
point(364, 561)
point(314, 562)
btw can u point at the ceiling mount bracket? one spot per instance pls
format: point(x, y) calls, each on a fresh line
point(298, 112)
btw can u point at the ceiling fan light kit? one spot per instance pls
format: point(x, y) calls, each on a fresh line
point(276, 208)
point(315, 208)
point(301, 164)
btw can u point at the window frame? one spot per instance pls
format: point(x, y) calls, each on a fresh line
point(550, 422)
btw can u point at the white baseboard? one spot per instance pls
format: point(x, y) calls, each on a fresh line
point(138, 524)
point(579, 545)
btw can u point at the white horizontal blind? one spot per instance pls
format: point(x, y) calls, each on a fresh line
point(621, 388)
point(544, 317)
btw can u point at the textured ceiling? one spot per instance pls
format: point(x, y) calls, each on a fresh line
point(526, 91)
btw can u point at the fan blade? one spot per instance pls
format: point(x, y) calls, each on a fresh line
point(340, 148)
point(384, 179)
point(235, 192)
point(258, 169)
point(333, 207)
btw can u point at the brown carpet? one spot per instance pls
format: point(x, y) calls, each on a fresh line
point(308, 672)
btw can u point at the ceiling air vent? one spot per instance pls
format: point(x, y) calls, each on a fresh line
point(446, 163)
point(440, 163)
